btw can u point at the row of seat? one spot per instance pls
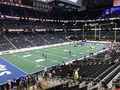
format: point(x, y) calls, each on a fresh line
point(92, 71)
point(11, 41)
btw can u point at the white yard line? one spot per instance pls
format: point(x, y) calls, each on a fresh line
point(47, 59)
point(29, 60)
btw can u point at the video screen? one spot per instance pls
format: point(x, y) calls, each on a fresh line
point(116, 3)
point(74, 2)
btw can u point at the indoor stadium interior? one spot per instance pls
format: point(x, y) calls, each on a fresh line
point(59, 45)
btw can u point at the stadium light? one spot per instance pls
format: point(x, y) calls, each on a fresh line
point(2, 16)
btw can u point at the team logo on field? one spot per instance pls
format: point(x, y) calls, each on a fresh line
point(2, 66)
point(3, 70)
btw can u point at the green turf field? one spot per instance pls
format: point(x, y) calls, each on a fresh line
point(32, 61)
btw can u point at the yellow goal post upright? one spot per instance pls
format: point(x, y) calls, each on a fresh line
point(94, 29)
point(113, 28)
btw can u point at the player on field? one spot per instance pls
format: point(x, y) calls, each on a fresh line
point(43, 54)
point(91, 47)
point(70, 52)
point(46, 57)
point(75, 45)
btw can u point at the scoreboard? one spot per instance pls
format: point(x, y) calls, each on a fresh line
point(75, 1)
point(12, 1)
point(115, 10)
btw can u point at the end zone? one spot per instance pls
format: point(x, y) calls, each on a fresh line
point(8, 70)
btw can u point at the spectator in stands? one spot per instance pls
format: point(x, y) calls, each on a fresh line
point(58, 66)
point(117, 61)
point(9, 83)
point(53, 73)
point(20, 84)
point(43, 74)
point(14, 83)
point(45, 69)
point(36, 79)
point(84, 60)
point(70, 64)
point(70, 73)
point(76, 75)
point(33, 79)
point(63, 63)
point(106, 88)
point(49, 75)
point(28, 77)
point(61, 73)
point(24, 82)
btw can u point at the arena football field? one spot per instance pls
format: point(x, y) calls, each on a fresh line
point(22, 63)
